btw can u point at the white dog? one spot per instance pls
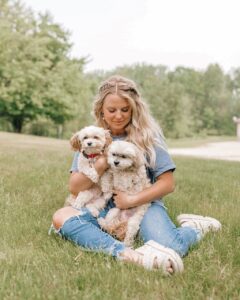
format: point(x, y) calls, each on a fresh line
point(90, 142)
point(127, 173)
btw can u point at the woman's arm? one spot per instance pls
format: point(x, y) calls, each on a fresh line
point(163, 186)
point(79, 182)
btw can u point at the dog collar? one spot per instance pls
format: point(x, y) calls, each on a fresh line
point(90, 155)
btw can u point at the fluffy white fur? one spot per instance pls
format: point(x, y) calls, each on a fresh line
point(90, 142)
point(127, 173)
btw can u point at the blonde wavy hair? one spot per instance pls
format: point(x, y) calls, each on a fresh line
point(142, 130)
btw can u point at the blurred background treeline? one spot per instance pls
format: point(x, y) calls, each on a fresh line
point(45, 91)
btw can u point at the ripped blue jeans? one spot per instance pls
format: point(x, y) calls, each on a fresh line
point(156, 225)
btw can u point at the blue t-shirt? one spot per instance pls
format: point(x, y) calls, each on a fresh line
point(163, 162)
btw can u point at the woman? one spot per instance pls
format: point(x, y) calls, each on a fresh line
point(119, 108)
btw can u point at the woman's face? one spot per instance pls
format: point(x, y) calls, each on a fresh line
point(117, 113)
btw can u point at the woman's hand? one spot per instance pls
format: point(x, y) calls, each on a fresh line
point(123, 200)
point(101, 164)
point(79, 182)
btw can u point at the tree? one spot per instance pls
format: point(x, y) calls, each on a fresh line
point(166, 98)
point(192, 84)
point(217, 100)
point(37, 75)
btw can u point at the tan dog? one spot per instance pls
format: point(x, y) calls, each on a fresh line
point(91, 142)
point(127, 173)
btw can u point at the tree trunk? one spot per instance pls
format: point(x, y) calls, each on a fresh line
point(59, 131)
point(17, 124)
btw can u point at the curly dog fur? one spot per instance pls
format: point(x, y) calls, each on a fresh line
point(127, 173)
point(90, 142)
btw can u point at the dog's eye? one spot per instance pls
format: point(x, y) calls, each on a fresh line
point(123, 156)
point(114, 154)
point(96, 137)
point(85, 137)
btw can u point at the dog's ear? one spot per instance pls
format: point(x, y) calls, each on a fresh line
point(108, 137)
point(138, 159)
point(75, 142)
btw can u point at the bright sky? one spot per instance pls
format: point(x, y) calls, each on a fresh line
point(192, 33)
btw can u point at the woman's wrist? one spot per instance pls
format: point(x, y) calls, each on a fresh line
point(96, 170)
point(101, 165)
point(133, 200)
point(140, 198)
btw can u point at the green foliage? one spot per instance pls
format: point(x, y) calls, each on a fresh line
point(215, 102)
point(187, 102)
point(235, 88)
point(41, 84)
point(166, 99)
point(37, 77)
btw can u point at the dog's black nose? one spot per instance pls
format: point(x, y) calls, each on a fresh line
point(116, 163)
point(89, 144)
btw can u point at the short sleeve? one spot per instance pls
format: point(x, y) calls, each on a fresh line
point(163, 163)
point(74, 167)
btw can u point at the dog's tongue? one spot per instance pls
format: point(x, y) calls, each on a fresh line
point(92, 155)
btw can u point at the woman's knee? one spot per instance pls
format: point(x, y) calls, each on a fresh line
point(62, 215)
point(56, 219)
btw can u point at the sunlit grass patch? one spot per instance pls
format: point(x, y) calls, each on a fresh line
point(33, 265)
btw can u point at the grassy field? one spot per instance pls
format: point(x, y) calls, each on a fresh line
point(33, 265)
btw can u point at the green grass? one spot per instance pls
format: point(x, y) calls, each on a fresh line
point(33, 265)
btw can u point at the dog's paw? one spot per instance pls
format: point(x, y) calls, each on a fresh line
point(101, 222)
point(77, 205)
point(128, 242)
point(93, 210)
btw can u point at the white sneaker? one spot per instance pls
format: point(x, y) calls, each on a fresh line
point(163, 255)
point(204, 224)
